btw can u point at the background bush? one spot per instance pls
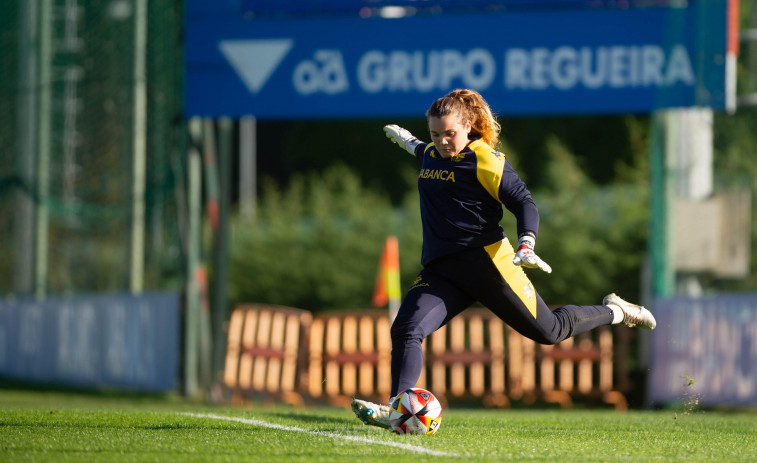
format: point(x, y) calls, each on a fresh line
point(317, 244)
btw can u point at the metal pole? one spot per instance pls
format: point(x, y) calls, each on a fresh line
point(247, 168)
point(192, 313)
point(210, 171)
point(210, 175)
point(658, 242)
point(136, 274)
point(221, 267)
point(43, 151)
point(690, 152)
point(27, 137)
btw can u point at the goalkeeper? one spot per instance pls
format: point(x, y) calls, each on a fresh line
point(463, 184)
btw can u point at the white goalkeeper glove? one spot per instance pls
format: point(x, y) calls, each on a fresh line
point(402, 137)
point(526, 257)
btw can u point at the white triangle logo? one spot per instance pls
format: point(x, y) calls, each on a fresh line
point(255, 60)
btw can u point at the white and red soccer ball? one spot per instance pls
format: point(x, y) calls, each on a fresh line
point(415, 411)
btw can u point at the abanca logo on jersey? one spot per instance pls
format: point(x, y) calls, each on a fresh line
point(437, 174)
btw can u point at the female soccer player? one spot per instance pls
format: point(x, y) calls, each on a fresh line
point(463, 184)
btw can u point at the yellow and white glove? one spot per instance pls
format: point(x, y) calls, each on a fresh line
point(401, 137)
point(526, 257)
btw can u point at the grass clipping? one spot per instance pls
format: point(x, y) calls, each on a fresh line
point(690, 400)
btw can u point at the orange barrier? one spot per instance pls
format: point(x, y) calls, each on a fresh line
point(477, 356)
point(466, 359)
point(349, 355)
point(264, 352)
point(580, 367)
point(335, 356)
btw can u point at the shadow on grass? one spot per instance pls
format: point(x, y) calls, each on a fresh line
point(89, 392)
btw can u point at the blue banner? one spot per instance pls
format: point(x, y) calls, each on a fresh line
point(578, 61)
point(704, 351)
point(113, 340)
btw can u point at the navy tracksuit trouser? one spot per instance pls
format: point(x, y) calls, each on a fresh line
point(450, 284)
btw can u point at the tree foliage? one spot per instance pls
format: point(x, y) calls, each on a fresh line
point(594, 237)
point(316, 244)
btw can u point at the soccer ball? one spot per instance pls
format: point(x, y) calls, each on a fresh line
point(415, 411)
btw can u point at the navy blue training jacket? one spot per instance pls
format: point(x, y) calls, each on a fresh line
point(462, 197)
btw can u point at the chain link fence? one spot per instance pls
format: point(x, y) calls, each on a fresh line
point(67, 144)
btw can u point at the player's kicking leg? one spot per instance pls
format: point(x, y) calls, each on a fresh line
point(371, 413)
point(633, 315)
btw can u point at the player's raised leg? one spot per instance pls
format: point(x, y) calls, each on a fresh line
point(632, 315)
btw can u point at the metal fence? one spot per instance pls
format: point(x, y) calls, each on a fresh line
point(90, 145)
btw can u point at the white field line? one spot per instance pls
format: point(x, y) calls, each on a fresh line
point(363, 440)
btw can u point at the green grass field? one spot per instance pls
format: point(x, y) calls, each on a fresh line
point(59, 427)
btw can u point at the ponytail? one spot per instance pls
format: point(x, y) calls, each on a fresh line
point(469, 105)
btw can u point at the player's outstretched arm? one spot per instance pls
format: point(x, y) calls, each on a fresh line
point(402, 137)
point(526, 256)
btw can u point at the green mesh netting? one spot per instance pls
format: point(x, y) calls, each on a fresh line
point(88, 133)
